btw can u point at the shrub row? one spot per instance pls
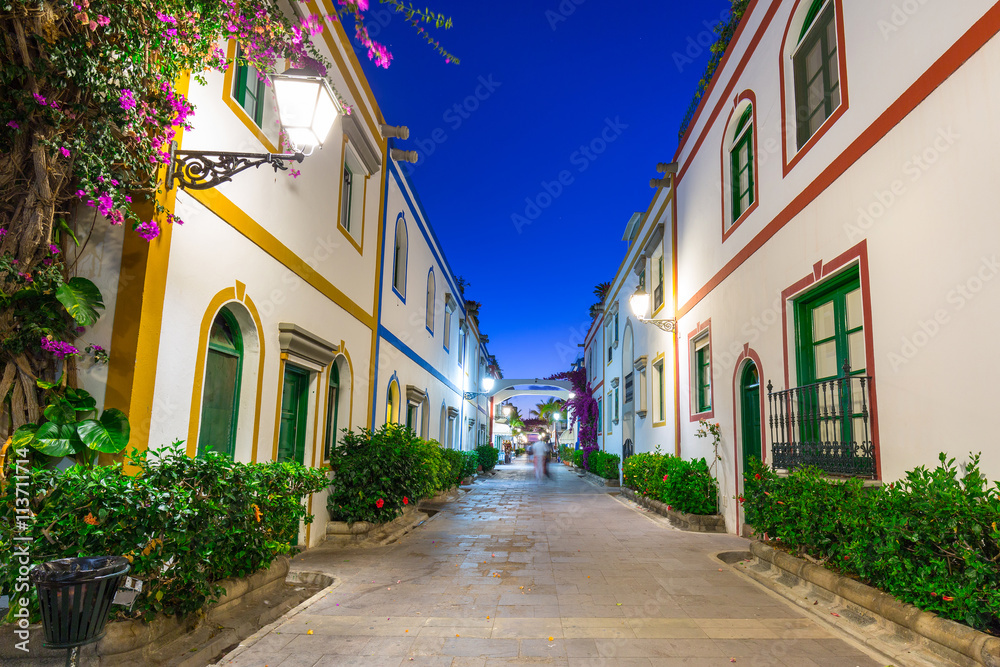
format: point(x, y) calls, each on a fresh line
point(377, 473)
point(184, 523)
point(603, 464)
point(488, 456)
point(686, 486)
point(566, 452)
point(930, 539)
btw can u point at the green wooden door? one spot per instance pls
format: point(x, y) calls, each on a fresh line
point(750, 412)
point(223, 369)
point(294, 408)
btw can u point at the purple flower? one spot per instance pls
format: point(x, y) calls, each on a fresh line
point(53, 248)
point(294, 173)
point(3, 232)
point(97, 348)
point(58, 347)
point(41, 100)
point(65, 151)
point(127, 100)
point(148, 230)
point(13, 124)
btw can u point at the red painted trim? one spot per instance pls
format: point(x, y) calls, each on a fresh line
point(725, 157)
point(677, 354)
point(787, 164)
point(491, 421)
point(732, 79)
point(696, 333)
point(963, 49)
point(751, 355)
point(594, 329)
point(594, 389)
point(857, 255)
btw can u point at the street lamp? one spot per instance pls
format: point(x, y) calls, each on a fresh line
point(572, 394)
point(307, 109)
point(639, 301)
point(507, 410)
point(487, 385)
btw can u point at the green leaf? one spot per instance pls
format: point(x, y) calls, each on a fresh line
point(82, 401)
point(24, 436)
point(55, 439)
point(42, 384)
point(60, 411)
point(81, 299)
point(109, 435)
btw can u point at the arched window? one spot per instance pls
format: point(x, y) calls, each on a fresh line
point(392, 403)
point(399, 258)
point(741, 164)
point(223, 371)
point(332, 411)
point(431, 290)
point(816, 69)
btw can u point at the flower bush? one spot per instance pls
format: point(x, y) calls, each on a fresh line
point(603, 464)
point(686, 486)
point(929, 539)
point(488, 456)
point(377, 473)
point(184, 523)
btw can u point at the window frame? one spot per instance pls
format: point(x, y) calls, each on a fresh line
point(835, 289)
point(743, 139)
point(431, 301)
point(241, 74)
point(302, 410)
point(701, 370)
point(399, 271)
point(332, 406)
point(238, 352)
point(659, 388)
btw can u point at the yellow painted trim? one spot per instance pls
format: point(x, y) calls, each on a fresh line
point(341, 64)
point(359, 246)
point(263, 239)
point(607, 407)
point(376, 306)
point(234, 106)
point(312, 460)
point(252, 307)
point(658, 358)
point(241, 290)
point(277, 406)
point(194, 422)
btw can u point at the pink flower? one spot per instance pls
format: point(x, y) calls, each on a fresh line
point(58, 347)
point(148, 230)
point(65, 151)
point(53, 248)
point(41, 100)
point(103, 20)
point(116, 217)
point(127, 100)
point(379, 503)
point(294, 173)
point(13, 124)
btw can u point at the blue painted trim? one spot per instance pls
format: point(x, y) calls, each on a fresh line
point(416, 358)
point(420, 215)
point(406, 256)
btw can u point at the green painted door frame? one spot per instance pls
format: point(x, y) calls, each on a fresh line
point(750, 413)
point(294, 410)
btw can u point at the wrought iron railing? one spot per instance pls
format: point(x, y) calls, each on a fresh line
point(826, 424)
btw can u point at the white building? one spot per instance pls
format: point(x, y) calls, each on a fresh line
point(431, 354)
point(830, 213)
point(254, 328)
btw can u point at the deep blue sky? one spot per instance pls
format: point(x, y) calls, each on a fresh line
point(631, 68)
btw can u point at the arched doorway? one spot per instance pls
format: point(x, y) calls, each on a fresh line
point(750, 413)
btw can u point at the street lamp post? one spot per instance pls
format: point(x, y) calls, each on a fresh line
point(640, 306)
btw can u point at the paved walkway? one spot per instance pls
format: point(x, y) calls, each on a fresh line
point(558, 572)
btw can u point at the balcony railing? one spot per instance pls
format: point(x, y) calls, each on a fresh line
point(826, 424)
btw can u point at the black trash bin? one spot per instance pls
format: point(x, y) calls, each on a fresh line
point(74, 595)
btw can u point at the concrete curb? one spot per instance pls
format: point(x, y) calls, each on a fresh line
point(363, 532)
point(596, 479)
point(694, 523)
point(947, 638)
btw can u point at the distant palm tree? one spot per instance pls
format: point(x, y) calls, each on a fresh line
point(545, 410)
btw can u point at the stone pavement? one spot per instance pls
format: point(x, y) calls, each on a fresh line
point(557, 573)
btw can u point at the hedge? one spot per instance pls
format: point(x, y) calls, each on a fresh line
point(603, 464)
point(686, 486)
point(184, 523)
point(488, 456)
point(929, 539)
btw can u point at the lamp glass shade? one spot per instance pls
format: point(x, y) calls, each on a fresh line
point(556, 416)
point(572, 394)
point(488, 383)
point(639, 302)
point(506, 410)
point(307, 107)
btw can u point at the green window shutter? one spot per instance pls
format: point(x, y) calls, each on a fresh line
point(248, 89)
point(810, 17)
point(703, 378)
point(829, 330)
point(294, 409)
point(345, 201)
point(741, 165)
point(332, 410)
point(816, 75)
point(223, 371)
